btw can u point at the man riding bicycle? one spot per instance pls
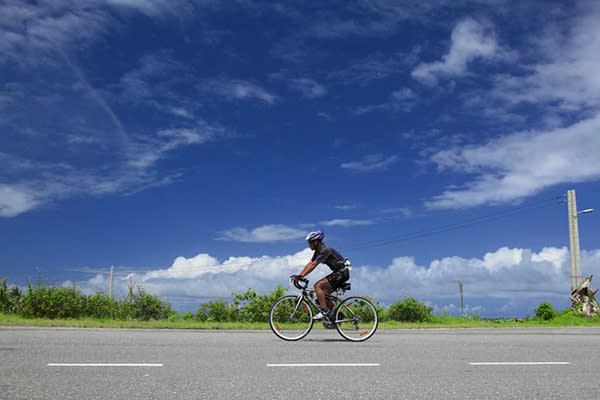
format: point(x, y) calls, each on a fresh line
point(324, 254)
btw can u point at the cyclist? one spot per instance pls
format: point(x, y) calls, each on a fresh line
point(324, 254)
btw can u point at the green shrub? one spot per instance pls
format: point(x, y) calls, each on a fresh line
point(218, 311)
point(202, 313)
point(187, 316)
point(254, 307)
point(51, 302)
point(101, 305)
point(409, 310)
point(68, 302)
point(567, 312)
point(545, 311)
point(146, 306)
point(11, 299)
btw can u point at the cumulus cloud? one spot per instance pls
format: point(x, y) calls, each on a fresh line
point(471, 40)
point(370, 163)
point(519, 165)
point(265, 233)
point(507, 282)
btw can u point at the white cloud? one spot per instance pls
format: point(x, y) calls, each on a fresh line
point(308, 87)
point(181, 112)
point(347, 222)
point(15, 199)
point(564, 77)
point(265, 233)
point(346, 206)
point(403, 94)
point(522, 164)
point(407, 212)
point(32, 184)
point(509, 282)
point(400, 100)
point(370, 163)
point(146, 151)
point(155, 8)
point(471, 40)
point(232, 89)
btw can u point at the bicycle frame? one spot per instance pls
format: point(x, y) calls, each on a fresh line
point(314, 303)
point(354, 326)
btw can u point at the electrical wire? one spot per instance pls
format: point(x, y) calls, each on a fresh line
point(453, 226)
point(20, 15)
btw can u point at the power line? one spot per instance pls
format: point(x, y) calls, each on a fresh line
point(453, 226)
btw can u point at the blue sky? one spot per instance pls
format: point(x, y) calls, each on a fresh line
point(194, 144)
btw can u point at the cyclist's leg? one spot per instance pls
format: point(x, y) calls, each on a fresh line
point(322, 288)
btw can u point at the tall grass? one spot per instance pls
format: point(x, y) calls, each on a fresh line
point(68, 302)
point(49, 305)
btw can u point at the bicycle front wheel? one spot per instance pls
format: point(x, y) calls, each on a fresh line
point(356, 319)
point(291, 318)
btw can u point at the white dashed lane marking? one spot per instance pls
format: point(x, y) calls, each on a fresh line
point(100, 365)
point(522, 363)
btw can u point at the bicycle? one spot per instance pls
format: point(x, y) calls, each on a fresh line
point(291, 316)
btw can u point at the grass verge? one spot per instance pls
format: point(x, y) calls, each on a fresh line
point(437, 322)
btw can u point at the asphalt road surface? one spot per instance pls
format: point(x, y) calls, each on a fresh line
point(527, 363)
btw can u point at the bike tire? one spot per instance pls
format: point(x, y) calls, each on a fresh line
point(288, 327)
point(356, 319)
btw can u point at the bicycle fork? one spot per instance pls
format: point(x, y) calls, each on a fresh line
point(296, 308)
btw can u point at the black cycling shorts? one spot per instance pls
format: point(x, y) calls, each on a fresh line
point(338, 278)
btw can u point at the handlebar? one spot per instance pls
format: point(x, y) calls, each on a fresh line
point(297, 284)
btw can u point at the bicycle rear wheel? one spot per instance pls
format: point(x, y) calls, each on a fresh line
point(291, 318)
point(356, 319)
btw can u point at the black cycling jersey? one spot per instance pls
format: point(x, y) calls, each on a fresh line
point(329, 256)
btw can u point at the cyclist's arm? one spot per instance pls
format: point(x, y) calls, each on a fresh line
point(308, 268)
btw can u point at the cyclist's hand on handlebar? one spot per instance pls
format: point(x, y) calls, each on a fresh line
point(297, 278)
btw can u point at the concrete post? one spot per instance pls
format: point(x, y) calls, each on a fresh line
point(574, 255)
point(112, 270)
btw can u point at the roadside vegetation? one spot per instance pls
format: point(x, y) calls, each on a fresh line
point(67, 307)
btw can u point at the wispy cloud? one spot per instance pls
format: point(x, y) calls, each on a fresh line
point(407, 212)
point(16, 199)
point(561, 86)
point(344, 222)
point(265, 233)
point(146, 151)
point(308, 87)
point(346, 206)
point(371, 163)
point(400, 100)
point(83, 119)
point(30, 184)
point(515, 166)
point(232, 89)
point(564, 77)
point(471, 40)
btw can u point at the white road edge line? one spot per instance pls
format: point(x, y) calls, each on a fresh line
point(522, 363)
point(326, 365)
point(101, 365)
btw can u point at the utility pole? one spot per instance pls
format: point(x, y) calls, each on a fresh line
point(574, 256)
point(462, 303)
point(112, 270)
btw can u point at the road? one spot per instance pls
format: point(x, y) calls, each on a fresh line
point(398, 364)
